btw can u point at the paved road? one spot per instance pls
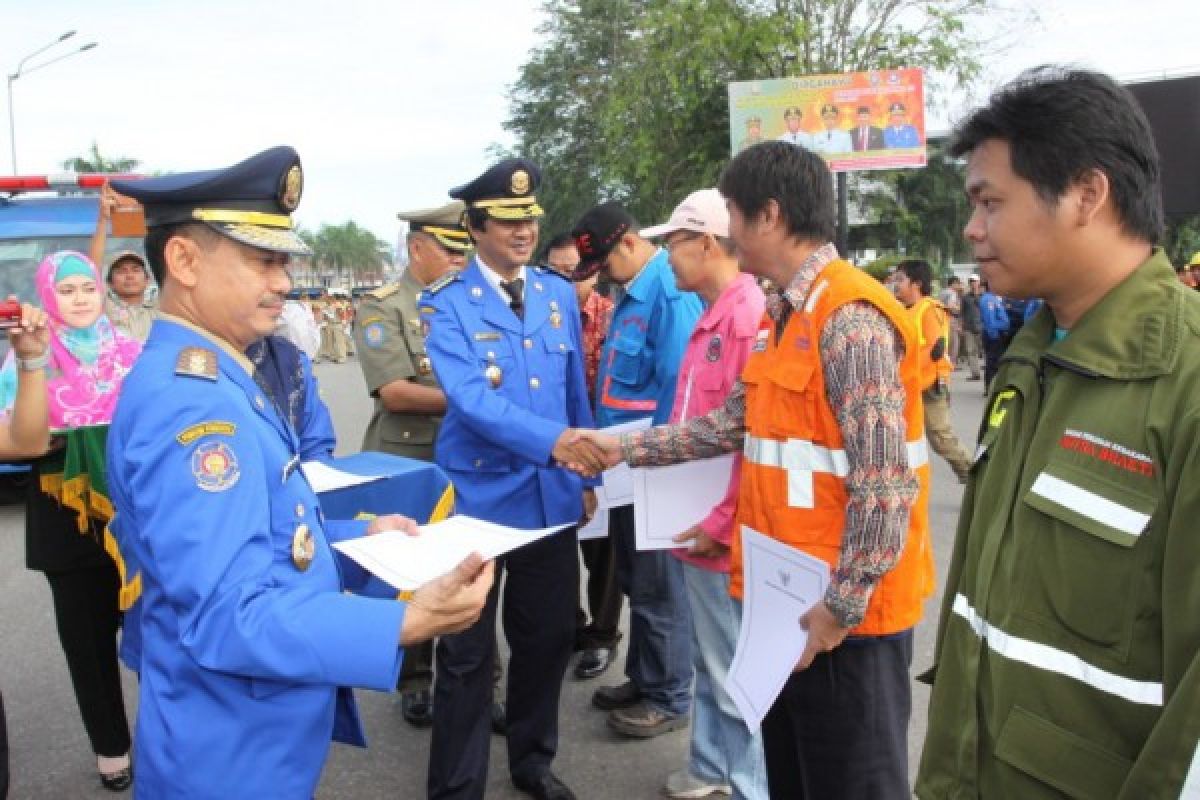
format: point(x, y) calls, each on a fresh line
point(50, 755)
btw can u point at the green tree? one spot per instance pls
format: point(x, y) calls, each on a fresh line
point(924, 208)
point(1183, 238)
point(93, 161)
point(347, 249)
point(628, 100)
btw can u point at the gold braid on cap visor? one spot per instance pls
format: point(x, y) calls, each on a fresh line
point(242, 217)
point(450, 238)
point(510, 207)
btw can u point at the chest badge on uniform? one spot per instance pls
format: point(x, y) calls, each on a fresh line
point(425, 367)
point(373, 335)
point(476, 292)
point(713, 353)
point(304, 548)
point(494, 375)
point(215, 467)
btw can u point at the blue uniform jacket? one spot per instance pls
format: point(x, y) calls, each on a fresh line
point(903, 136)
point(496, 441)
point(646, 339)
point(242, 652)
point(993, 316)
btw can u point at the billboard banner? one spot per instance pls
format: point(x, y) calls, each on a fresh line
point(857, 121)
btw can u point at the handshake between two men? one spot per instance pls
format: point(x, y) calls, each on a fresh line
point(587, 452)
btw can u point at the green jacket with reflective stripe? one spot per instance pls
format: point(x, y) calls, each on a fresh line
point(1067, 654)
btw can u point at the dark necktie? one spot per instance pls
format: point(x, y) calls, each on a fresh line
point(515, 289)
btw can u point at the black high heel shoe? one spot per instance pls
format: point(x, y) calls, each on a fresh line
point(117, 781)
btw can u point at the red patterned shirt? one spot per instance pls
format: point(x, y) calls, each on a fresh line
point(596, 315)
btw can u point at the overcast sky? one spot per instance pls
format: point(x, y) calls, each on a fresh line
point(388, 103)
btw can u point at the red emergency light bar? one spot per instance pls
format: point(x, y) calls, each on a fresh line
point(66, 180)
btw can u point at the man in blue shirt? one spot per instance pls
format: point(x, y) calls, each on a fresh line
point(995, 332)
point(247, 634)
point(505, 343)
point(638, 367)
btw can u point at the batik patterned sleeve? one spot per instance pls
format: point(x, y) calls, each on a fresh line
point(860, 355)
point(715, 433)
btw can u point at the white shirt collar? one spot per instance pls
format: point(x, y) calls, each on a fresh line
point(493, 278)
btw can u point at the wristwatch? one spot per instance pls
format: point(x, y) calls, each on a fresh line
point(35, 363)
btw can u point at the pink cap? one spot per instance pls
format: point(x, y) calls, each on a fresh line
point(703, 212)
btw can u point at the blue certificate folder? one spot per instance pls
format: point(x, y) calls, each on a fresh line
point(416, 489)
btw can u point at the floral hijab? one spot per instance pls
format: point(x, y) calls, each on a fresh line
point(87, 365)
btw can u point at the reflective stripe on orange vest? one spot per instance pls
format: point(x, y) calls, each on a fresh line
point(801, 458)
point(793, 480)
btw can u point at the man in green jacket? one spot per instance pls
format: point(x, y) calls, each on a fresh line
point(1067, 655)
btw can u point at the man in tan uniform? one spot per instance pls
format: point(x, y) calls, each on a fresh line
point(408, 402)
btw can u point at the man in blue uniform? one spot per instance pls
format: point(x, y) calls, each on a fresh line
point(638, 366)
point(246, 632)
point(505, 343)
point(900, 132)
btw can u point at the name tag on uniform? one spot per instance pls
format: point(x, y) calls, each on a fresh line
point(488, 336)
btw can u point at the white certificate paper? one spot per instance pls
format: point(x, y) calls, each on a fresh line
point(669, 500)
point(324, 478)
point(407, 562)
point(597, 527)
point(781, 584)
point(618, 481)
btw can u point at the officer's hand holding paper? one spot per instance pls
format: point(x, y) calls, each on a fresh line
point(406, 561)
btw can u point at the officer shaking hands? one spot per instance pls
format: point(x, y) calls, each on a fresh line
point(506, 347)
point(247, 635)
point(409, 404)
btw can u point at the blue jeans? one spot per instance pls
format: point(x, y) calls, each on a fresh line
point(659, 658)
point(722, 748)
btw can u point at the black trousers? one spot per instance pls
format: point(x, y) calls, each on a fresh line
point(993, 349)
point(540, 587)
point(416, 670)
point(603, 596)
point(85, 610)
point(839, 729)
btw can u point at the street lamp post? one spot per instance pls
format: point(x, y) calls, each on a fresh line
point(20, 70)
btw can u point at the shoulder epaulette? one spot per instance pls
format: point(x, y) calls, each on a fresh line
point(197, 362)
point(550, 271)
point(384, 292)
point(444, 281)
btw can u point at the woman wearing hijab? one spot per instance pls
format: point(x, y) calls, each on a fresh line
point(24, 432)
point(84, 366)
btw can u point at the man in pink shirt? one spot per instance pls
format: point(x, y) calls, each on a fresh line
point(724, 756)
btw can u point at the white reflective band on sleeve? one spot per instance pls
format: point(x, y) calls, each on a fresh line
point(1089, 504)
point(918, 453)
point(1054, 660)
point(1191, 783)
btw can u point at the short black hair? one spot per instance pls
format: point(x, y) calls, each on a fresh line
point(156, 243)
point(794, 177)
point(953, 280)
point(919, 272)
point(1060, 123)
point(564, 239)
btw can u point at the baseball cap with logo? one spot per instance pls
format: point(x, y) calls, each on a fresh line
point(702, 212)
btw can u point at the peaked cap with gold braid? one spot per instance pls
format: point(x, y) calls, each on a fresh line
point(250, 202)
point(443, 223)
point(505, 191)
